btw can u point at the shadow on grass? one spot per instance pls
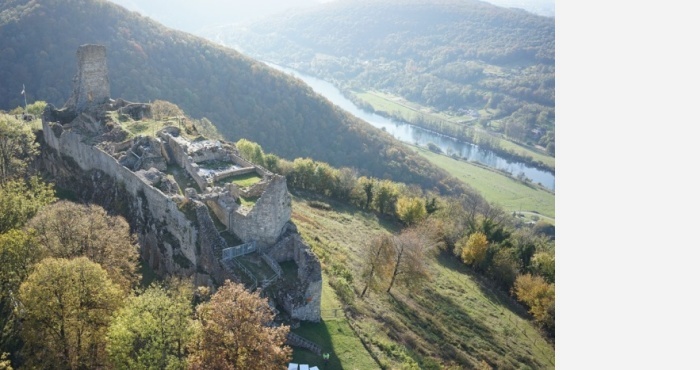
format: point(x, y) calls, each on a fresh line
point(318, 333)
point(388, 223)
point(439, 324)
point(493, 293)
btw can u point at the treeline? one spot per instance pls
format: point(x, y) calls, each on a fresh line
point(71, 294)
point(450, 55)
point(243, 98)
point(514, 256)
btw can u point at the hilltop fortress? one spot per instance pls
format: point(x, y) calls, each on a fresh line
point(199, 209)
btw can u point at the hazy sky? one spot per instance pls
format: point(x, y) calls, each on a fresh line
point(191, 16)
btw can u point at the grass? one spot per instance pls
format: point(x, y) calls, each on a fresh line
point(338, 339)
point(407, 111)
point(454, 318)
point(145, 127)
point(248, 201)
point(242, 181)
point(520, 149)
point(335, 336)
point(496, 187)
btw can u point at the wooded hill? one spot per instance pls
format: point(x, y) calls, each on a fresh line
point(242, 97)
point(452, 55)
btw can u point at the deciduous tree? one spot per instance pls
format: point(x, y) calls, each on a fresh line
point(236, 332)
point(17, 148)
point(537, 294)
point(66, 309)
point(20, 200)
point(410, 210)
point(66, 230)
point(18, 253)
point(377, 258)
point(474, 248)
point(153, 329)
point(410, 253)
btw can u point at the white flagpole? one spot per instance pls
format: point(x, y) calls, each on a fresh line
point(25, 99)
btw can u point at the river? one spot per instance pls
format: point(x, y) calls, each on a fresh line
point(411, 134)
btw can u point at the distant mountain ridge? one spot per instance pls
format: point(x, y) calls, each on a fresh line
point(451, 55)
point(147, 61)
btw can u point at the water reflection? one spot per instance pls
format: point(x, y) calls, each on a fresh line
point(408, 133)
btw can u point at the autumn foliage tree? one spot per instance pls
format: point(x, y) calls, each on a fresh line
point(67, 305)
point(235, 332)
point(375, 258)
point(537, 294)
point(66, 230)
point(409, 262)
point(410, 210)
point(473, 249)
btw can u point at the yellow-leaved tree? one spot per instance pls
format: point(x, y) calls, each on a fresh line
point(234, 332)
point(473, 248)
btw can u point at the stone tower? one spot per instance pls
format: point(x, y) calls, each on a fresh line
point(91, 83)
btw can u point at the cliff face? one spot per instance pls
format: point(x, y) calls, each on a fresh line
point(85, 148)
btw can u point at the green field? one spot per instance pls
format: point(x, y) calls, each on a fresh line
point(453, 319)
point(496, 187)
point(408, 111)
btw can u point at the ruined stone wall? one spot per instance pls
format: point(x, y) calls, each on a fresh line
point(306, 303)
point(264, 223)
point(233, 172)
point(168, 219)
point(90, 84)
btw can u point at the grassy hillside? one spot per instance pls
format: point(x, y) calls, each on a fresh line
point(147, 61)
point(454, 319)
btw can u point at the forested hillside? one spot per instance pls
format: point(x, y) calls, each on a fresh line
point(147, 61)
point(455, 56)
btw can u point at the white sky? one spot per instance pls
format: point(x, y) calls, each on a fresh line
point(192, 16)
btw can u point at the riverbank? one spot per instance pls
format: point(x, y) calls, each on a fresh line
point(512, 194)
point(461, 127)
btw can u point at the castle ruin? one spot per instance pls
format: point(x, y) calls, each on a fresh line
point(199, 209)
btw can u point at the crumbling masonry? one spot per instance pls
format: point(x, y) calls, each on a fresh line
point(178, 194)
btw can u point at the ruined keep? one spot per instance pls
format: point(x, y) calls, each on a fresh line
point(182, 195)
point(91, 83)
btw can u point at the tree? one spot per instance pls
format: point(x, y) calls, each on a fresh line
point(153, 329)
point(503, 268)
point(161, 109)
point(474, 248)
point(410, 254)
point(17, 148)
point(18, 253)
point(385, 196)
point(235, 332)
point(36, 108)
point(347, 180)
point(410, 210)
point(251, 151)
point(4, 362)
point(376, 259)
point(20, 200)
point(543, 265)
point(66, 230)
point(66, 309)
point(537, 294)
point(368, 187)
